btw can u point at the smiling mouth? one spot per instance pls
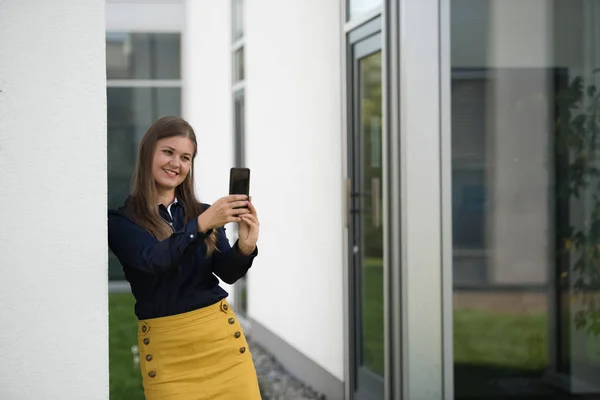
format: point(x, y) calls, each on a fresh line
point(170, 173)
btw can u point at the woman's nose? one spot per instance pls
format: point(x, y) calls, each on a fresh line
point(174, 162)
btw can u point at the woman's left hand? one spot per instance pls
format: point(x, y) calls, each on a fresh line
point(248, 230)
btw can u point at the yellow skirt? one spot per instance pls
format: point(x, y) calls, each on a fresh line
point(201, 354)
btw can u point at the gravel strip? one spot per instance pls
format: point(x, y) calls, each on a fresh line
point(275, 381)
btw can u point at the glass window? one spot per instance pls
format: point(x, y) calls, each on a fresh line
point(368, 229)
point(143, 55)
point(131, 111)
point(238, 65)
point(239, 120)
point(526, 198)
point(357, 8)
point(237, 7)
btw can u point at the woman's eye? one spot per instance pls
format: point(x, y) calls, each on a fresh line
point(186, 159)
point(169, 152)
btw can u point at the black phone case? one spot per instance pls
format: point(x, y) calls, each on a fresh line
point(239, 181)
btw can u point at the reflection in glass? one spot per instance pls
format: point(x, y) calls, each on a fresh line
point(356, 8)
point(131, 111)
point(238, 65)
point(143, 55)
point(526, 198)
point(370, 100)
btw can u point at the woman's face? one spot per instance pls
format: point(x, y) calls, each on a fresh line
point(172, 162)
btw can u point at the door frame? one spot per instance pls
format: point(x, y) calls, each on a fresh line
point(368, 37)
point(422, 96)
point(416, 144)
point(366, 43)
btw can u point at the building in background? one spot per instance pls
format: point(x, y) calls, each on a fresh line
point(425, 173)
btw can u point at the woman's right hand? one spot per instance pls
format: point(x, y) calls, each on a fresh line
point(223, 211)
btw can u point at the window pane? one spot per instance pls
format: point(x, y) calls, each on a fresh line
point(239, 119)
point(526, 198)
point(237, 7)
point(371, 339)
point(143, 56)
point(131, 111)
point(356, 8)
point(238, 65)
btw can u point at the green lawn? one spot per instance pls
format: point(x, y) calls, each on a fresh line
point(518, 341)
point(372, 308)
point(494, 340)
point(125, 376)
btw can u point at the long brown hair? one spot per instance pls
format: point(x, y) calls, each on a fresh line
point(142, 204)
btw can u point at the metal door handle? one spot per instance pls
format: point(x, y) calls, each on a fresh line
point(375, 202)
point(347, 205)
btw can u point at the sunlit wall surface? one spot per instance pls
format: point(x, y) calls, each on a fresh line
point(525, 197)
point(293, 147)
point(53, 313)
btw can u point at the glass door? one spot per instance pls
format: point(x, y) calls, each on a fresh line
point(366, 223)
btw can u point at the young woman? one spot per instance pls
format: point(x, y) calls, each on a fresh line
point(171, 247)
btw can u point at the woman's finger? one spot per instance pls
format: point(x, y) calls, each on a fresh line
point(235, 197)
point(252, 208)
point(247, 219)
point(239, 203)
point(252, 217)
point(238, 211)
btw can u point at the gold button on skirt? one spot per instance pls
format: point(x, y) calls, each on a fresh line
point(198, 355)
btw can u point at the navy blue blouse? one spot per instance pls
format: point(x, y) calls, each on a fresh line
point(173, 276)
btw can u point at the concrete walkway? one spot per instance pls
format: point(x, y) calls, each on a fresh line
point(118, 287)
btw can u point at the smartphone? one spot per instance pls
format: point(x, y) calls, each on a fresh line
point(239, 181)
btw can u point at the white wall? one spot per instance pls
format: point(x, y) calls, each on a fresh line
point(207, 99)
point(53, 251)
point(294, 149)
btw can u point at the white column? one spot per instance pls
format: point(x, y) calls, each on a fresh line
point(420, 182)
point(53, 246)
